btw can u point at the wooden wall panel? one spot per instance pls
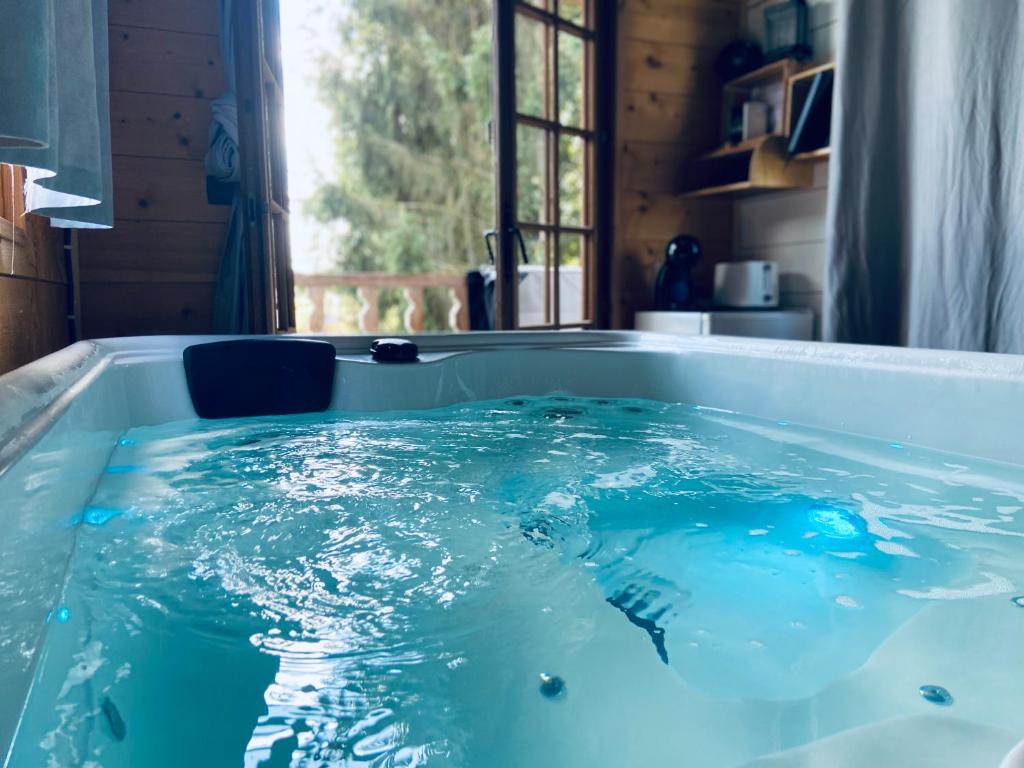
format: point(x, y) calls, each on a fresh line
point(160, 61)
point(154, 272)
point(36, 251)
point(141, 309)
point(155, 125)
point(33, 320)
point(142, 246)
point(707, 24)
point(162, 189)
point(646, 216)
point(196, 16)
point(663, 118)
point(666, 68)
point(668, 109)
point(33, 290)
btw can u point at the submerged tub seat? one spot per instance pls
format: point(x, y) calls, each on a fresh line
point(61, 417)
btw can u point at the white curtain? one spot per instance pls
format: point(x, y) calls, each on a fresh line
point(55, 107)
point(926, 195)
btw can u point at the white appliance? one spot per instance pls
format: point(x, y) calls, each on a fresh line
point(792, 324)
point(747, 284)
point(755, 119)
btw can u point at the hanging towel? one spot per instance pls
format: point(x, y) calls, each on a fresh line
point(55, 120)
point(222, 153)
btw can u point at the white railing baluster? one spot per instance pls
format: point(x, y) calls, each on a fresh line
point(369, 309)
point(316, 319)
point(368, 286)
point(413, 317)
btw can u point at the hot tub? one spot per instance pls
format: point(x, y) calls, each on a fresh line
point(524, 549)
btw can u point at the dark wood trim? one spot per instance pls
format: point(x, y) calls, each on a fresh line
point(605, 70)
point(562, 25)
point(595, 131)
point(504, 58)
point(253, 163)
point(536, 226)
point(263, 197)
point(554, 180)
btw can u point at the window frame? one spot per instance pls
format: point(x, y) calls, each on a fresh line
point(597, 114)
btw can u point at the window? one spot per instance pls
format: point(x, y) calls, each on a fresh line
point(548, 187)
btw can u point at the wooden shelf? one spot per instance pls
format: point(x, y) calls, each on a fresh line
point(783, 68)
point(822, 153)
point(756, 165)
point(811, 72)
point(768, 84)
point(723, 189)
point(760, 164)
point(733, 149)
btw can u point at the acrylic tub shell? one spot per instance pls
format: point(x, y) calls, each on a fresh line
point(60, 418)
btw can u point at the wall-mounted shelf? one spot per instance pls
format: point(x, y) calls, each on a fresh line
point(768, 84)
point(764, 163)
point(733, 149)
point(814, 155)
point(752, 166)
point(782, 68)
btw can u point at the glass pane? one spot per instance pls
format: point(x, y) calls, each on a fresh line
point(571, 187)
point(531, 190)
point(534, 281)
point(571, 64)
point(572, 10)
point(531, 66)
point(571, 278)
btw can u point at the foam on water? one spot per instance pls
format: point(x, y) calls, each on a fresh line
point(388, 589)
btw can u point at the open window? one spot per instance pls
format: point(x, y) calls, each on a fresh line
point(553, 160)
point(407, 180)
point(263, 184)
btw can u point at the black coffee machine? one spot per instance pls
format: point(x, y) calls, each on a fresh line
point(673, 289)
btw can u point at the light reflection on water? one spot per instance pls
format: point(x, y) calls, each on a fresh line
point(373, 590)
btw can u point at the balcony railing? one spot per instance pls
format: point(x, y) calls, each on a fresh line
point(368, 286)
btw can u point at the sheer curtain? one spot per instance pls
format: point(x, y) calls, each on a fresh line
point(55, 107)
point(926, 194)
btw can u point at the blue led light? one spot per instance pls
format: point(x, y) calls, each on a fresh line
point(99, 515)
point(63, 614)
point(836, 523)
point(898, 446)
point(121, 469)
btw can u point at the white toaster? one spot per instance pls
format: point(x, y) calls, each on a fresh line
point(747, 284)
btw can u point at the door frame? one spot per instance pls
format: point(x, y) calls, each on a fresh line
point(603, 88)
point(263, 185)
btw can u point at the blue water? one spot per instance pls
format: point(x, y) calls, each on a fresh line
point(389, 590)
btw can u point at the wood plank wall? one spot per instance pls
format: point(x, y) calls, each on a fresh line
point(668, 108)
point(154, 272)
point(33, 281)
point(789, 227)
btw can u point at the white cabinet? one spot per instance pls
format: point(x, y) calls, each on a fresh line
point(793, 324)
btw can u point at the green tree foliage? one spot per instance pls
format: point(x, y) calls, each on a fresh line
point(408, 87)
